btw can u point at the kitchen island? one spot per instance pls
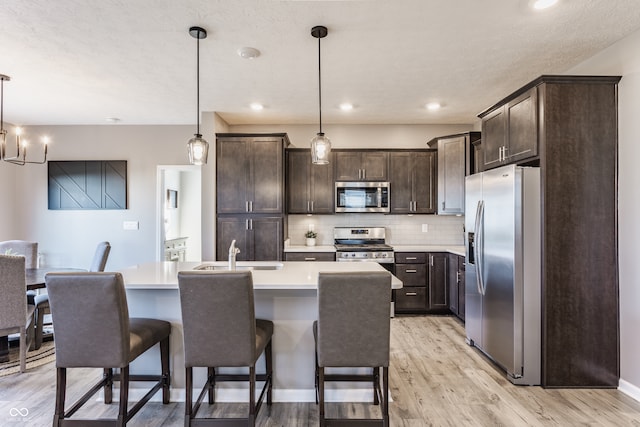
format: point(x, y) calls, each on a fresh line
point(285, 292)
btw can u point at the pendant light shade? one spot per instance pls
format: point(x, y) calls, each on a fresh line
point(197, 146)
point(320, 144)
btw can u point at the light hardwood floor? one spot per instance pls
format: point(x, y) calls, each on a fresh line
point(436, 380)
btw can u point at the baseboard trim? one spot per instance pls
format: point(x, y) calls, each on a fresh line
point(629, 389)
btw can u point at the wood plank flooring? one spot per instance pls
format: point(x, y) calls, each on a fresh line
point(436, 380)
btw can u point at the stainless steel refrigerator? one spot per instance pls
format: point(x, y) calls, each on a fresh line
point(502, 269)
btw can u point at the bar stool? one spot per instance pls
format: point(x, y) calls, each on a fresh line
point(93, 330)
point(352, 330)
point(220, 330)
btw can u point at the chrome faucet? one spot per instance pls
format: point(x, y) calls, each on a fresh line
point(233, 251)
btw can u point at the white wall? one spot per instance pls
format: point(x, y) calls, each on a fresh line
point(68, 238)
point(622, 59)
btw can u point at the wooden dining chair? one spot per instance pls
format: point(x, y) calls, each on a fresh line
point(15, 314)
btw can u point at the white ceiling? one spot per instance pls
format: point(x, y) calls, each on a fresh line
point(82, 61)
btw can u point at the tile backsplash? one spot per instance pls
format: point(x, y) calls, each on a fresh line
point(400, 229)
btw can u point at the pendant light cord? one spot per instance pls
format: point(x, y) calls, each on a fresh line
point(198, 85)
point(319, 85)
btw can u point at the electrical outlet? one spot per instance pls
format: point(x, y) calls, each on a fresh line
point(425, 228)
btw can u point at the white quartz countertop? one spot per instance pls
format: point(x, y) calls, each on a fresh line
point(457, 250)
point(291, 275)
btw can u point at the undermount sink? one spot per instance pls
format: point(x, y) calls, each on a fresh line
point(221, 266)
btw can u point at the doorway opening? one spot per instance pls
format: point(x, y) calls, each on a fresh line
point(179, 213)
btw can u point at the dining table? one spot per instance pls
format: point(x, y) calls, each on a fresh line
point(34, 279)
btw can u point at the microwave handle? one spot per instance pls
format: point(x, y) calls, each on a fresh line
point(379, 197)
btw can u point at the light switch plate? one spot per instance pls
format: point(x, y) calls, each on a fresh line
point(425, 228)
point(130, 225)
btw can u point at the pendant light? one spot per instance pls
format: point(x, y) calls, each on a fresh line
point(198, 147)
point(320, 144)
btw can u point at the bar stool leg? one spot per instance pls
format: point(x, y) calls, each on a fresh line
point(108, 387)
point(188, 398)
point(166, 374)
point(269, 368)
point(376, 385)
point(61, 388)
point(252, 395)
point(124, 397)
point(385, 401)
point(321, 396)
point(211, 380)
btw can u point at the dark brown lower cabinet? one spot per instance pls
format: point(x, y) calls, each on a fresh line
point(259, 238)
point(424, 279)
point(456, 285)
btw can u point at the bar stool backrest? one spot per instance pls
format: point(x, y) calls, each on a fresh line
point(354, 319)
point(21, 247)
point(91, 319)
point(226, 335)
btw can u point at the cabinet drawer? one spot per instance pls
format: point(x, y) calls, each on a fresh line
point(411, 258)
point(412, 274)
point(310, 256)
point(411, 298)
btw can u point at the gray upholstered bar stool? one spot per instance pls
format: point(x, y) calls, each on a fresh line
point(352, 330)
point(93, 330)
point(220, 330)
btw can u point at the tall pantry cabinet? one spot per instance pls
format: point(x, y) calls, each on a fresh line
point(250, 195)
point(567, 125)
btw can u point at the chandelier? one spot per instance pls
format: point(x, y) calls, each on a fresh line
point(20, 157)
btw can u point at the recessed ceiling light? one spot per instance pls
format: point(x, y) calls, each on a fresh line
point(433, 106)
point(543, 4)
point(256, 106)
point(248, 52)
point(346, 106)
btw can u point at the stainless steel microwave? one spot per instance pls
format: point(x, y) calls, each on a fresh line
point(362, 197)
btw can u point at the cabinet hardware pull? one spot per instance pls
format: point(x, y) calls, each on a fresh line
point(364, 174)
point(442, 205)
point(246, 224)
point(312, 205)
point(250, 205)
point(411, 294)
point(457, 277)
point(431, 260)
point(412, 257)
point(246, 206)
point(309, 259)
point(411, 271)
point(308, 204)
point(251, 224)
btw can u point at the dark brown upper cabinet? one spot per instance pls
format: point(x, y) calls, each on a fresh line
point(310, 188)
point(456, 159)
point(412, 182)
point(250, 173)
point(361, 165)
point(510, 132)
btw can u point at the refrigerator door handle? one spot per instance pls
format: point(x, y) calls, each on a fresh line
point(478, 247)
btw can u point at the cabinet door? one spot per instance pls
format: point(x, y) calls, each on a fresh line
point(374, 165)
point(438, 293)
point(348, 165)
point(453, 284)
point(424, 182)
point(522, 116)
point(267, 235)
point(232, 177)
point(494, 137)
point(451, 172)
point(267, 180)
point(461, 284)
point(297, 183)
point(322, 188)
point(400, 182)
point(229, 229)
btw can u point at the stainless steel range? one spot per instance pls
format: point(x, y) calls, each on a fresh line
point(362, 244)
